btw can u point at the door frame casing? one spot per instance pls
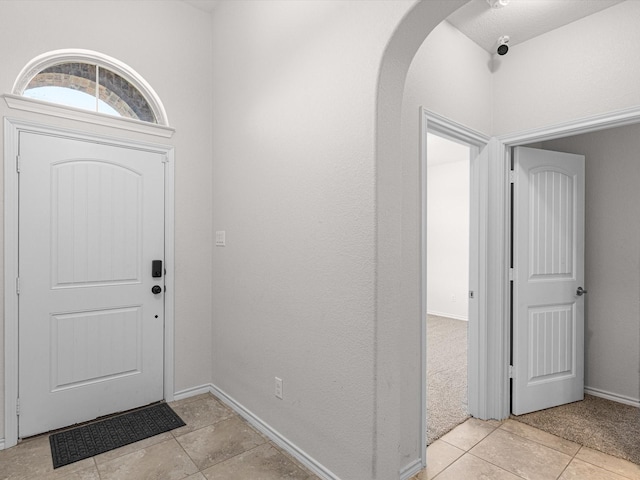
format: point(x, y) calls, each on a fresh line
point(437, 124)
point(493, 393)
point(12, 129)
point(613, 119)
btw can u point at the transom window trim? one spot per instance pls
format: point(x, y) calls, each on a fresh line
point(46, 60)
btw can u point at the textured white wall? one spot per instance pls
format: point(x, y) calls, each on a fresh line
point(450, 75)
point(448, 239)
point(612, 255)
point(294, 188)
point(167, 43)
point(582, 69)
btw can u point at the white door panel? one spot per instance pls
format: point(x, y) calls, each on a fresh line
point(91, 331)
point(548, 326)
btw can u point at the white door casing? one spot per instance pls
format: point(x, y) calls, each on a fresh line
point(91, 331)
point(548, 324)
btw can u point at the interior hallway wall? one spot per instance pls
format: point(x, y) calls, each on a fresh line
point(448, 239)
point(165, 42)
point(295, 190)
point(612, 258)
point(448, 75)
point(585, 68)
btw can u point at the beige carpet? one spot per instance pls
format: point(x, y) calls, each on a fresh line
point(446, 375)
point(603, 425)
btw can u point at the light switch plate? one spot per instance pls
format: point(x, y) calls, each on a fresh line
point(221, 238)
point(279, 386)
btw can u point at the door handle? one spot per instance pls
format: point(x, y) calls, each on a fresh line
point(156, 289)
point(581, 291)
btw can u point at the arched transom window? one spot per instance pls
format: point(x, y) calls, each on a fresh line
point(90, 81)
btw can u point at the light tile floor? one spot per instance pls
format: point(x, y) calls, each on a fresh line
point(215, 444)
point(511, 450)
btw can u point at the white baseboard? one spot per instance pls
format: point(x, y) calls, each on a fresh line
point(1, 443)
point(192, 392)
point(310, 463)
point(449, 315)
point(596, 392)
point(410, 470)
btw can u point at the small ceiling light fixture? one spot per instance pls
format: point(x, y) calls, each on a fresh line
point(498, 3)
point(503, 48)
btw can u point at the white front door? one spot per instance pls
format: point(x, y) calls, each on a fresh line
point(91, 331)
point(548, 307)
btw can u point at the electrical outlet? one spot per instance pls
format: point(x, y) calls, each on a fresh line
point(279, 388)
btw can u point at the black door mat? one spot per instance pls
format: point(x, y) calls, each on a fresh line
point(89, 440)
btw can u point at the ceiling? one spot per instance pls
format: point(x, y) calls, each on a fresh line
point(521, 20)
point(205, 5)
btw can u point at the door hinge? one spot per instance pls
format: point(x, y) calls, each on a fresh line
point(18, 406)
point(512, 176)
point(165, 159)
point(511, 274)
point(18, 163)
point(17, 285)
point(511, 373)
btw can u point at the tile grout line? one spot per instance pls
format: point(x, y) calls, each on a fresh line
point(231, 458)
point(547, 446)
point(468, 452)
point(189, 457)
point(469, 449)
point(575, 454)
point(602, 466)
point(570, 462)
point(497, 466)
point(465, 452)
point(542, 444)
point(199, 428)
point(218, 463)
point(96, 465)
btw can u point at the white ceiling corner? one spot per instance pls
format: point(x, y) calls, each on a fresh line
point(521, 20)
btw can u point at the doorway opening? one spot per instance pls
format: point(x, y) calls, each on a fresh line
point(469, 153)
point(447, 286)
point(610, 393)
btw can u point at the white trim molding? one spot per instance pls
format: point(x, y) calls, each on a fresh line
point(596, 392)
point(12, 129)
point(501, 158)
point(276, 437)
point(410, 470)
point(616, 118)
point(192, 392)
point(17, 102)
point(485, 267)
point(49, 59)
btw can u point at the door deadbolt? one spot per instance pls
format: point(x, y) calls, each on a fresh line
point(156, 289)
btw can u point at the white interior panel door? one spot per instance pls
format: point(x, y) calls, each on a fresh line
point(90, 329)
point(548, 325)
